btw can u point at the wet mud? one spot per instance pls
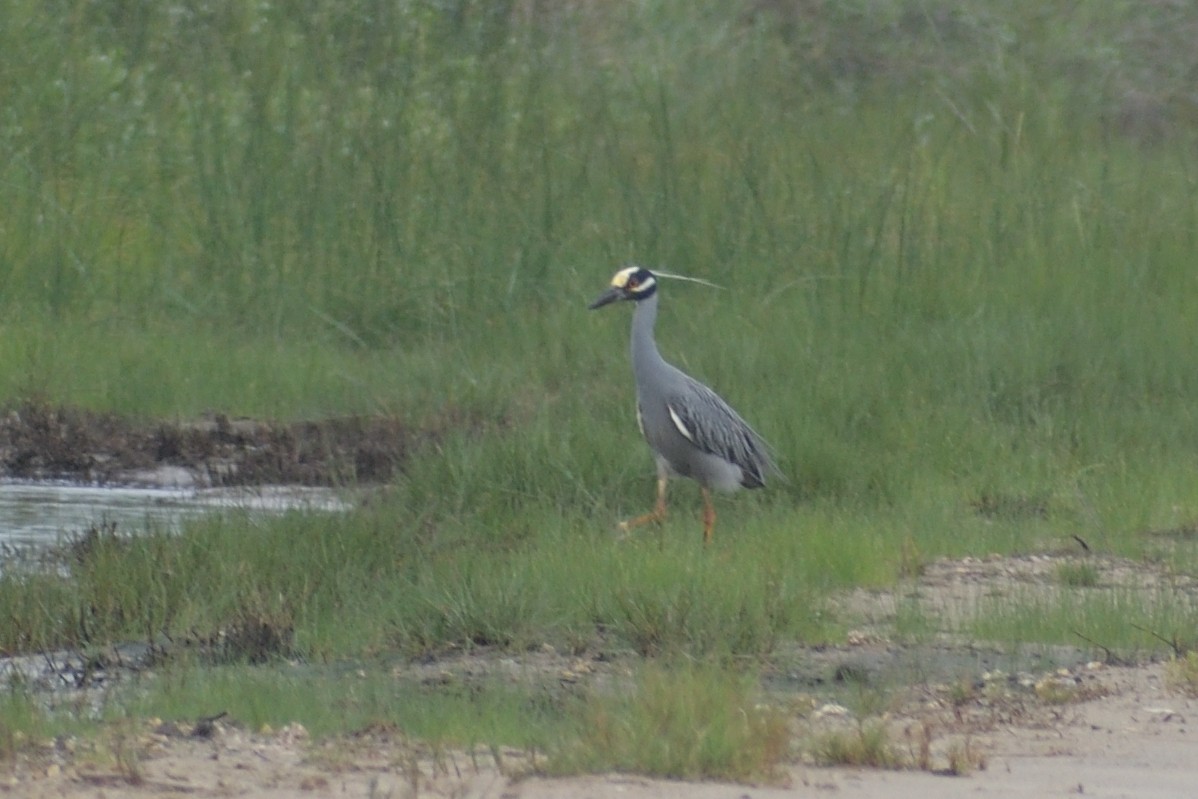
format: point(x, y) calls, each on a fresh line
point(46, 442)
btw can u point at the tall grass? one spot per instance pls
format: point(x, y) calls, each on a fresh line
point(682, 723)
point(952, 275)
point(326, 588)
point(957, 241)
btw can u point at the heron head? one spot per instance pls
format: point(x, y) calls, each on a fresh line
point(630, 283)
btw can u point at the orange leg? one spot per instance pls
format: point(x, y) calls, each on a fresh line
point(708, 517)
point(659, 508)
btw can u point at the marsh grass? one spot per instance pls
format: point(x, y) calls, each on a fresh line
point(326, 586)
point(339, 698)
point(965, 757)
point(680, 722)
point(958, 254)
point(1118, 623)
point(21, 722)
point(1078, 575)
point(867, 744)
point(1182, 673)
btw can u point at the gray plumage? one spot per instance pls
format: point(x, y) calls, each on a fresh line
point(692, 431)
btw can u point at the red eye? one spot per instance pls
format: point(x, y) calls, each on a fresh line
point(633, 282)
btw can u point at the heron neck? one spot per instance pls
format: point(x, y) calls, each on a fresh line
point(644, 348)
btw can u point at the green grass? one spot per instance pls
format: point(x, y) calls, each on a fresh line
point(1125, 622)
point(336, 699)
point(679, 723)
point(1077, 575)
point(957, 244)
point(343, 587)
point(20, 722)
point(1182, 673)
point(868, 745)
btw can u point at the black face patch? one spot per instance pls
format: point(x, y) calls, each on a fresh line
point(641, 284)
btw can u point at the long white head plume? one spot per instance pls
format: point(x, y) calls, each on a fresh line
point(688, 279)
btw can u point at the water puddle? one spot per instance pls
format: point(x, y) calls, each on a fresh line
point(35, 515)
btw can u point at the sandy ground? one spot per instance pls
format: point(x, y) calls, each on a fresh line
point(1132, 739)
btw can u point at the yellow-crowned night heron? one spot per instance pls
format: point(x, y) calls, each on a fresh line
point(692, 431)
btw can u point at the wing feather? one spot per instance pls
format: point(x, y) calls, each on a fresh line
point(717, 429)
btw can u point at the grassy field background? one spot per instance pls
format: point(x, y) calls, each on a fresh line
point(957, 242)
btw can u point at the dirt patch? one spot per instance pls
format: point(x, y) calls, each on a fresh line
point(948, 591)
point(43, 442)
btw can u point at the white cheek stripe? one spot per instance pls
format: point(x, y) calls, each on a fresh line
point(681, 427)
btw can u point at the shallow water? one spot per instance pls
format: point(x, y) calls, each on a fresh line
point(39, 514)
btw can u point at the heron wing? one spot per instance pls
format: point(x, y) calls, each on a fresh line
point(710, 423)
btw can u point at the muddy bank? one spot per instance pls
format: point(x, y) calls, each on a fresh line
point(44, 442)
